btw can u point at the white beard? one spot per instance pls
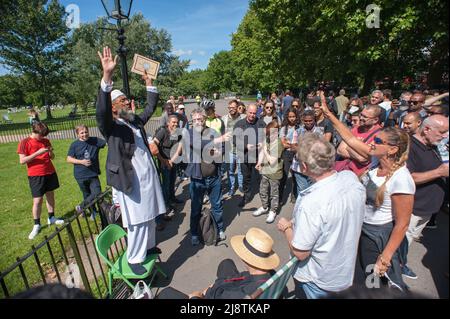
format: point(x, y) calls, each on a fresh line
point(126, 115)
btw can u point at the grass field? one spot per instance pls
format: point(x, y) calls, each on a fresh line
point(15, 212)
point(61, 120)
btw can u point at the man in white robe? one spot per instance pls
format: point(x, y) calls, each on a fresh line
point(130, 169)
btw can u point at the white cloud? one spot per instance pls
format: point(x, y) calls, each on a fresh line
point(182, 52)
point(202, 53)
point(193, 62)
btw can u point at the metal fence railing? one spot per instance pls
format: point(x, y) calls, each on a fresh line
point(60, 130)
point(67, 256)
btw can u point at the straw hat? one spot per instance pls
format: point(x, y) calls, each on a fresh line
point(255, 248)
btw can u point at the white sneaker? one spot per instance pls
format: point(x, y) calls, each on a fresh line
point(55, 221)
point(260, 211)
point(222, 235)
point(34, 232)
point(271, 217)
point(205, 199)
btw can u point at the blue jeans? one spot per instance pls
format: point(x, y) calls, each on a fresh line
point(234, 162)
point(302, 181)
point(310, 289)
point(197, 188)
point(90, 188)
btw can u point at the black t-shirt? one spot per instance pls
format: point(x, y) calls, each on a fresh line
point(91, 147)
point(429, 196)
point(242, 132)
point(166, 141)
point(327, 126)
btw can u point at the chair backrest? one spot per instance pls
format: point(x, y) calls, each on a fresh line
point(107, 238)
point(273, 287)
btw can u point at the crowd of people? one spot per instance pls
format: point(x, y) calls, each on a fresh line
point(368, 175)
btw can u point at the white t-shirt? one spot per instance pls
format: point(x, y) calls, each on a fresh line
point(401, 182)
point(328, 217)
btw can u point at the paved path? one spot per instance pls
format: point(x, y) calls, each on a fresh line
point(194, 268)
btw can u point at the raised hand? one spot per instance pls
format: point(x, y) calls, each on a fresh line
point(147, 79)
point(108, 64)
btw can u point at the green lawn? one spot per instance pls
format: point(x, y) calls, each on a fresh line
point(15, 212)
point(61, 121)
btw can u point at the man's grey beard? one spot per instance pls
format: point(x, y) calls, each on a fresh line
point(126, 115)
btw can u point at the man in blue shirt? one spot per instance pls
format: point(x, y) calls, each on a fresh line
point(83, 153)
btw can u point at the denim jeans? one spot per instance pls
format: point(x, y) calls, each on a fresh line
point(234, 162)
point(308, 289)
point(302, 181)
point(90, 188)
point(197, 188)
point(169, 176)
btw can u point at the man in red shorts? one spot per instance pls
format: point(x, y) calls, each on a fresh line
point(37, 152)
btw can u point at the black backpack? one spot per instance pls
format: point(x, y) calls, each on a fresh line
point(208, 228)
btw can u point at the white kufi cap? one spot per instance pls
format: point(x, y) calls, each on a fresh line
point(115, 94)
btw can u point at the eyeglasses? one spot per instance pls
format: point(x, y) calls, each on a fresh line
point(415, 102)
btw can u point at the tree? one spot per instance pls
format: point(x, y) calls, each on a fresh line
point(220, 75)
point(11, 94)
point(192, 83)
point(296, 42)
point(33, 44)
point(141, 38)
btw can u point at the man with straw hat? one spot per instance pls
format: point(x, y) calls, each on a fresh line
point(255, 251)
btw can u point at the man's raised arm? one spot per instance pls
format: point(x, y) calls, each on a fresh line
point(104, 109)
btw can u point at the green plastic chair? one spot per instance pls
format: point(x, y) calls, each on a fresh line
point(120, 269)
point(273, 287)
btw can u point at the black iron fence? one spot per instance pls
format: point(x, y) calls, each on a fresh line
point(61, 129)
point(67, 256)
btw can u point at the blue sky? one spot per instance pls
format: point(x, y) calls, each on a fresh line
point(199, 28)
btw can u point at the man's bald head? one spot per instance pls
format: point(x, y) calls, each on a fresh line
point(434, 129)
point(416, 101)
point(251, 113)
point(412, 122)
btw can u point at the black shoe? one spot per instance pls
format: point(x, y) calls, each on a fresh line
point(431, 224)
point(176, 201)
point(154, 250)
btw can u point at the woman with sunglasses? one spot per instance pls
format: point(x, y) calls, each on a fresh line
point(390, 192)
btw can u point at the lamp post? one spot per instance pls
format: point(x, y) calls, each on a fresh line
point(120, 10)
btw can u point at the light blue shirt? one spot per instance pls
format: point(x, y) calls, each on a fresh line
point(328, 217)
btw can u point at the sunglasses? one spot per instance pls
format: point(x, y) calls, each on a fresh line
point(415, 102)
point(379, 141)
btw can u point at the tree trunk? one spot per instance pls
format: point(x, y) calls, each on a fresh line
point(46, 102)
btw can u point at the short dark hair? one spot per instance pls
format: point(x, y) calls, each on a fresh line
point(308, 113)
point(40, 128)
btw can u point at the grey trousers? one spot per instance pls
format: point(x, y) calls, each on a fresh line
point(269, 193)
